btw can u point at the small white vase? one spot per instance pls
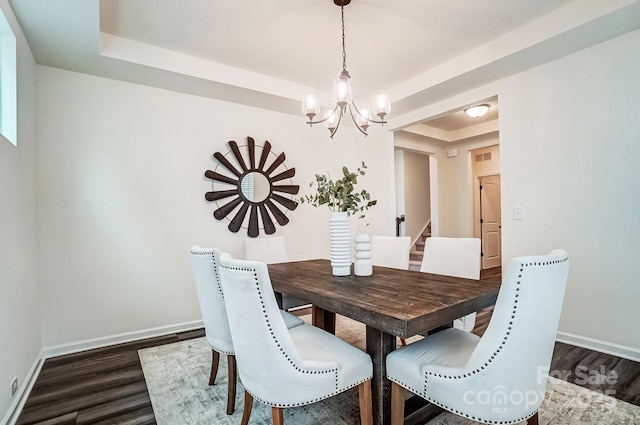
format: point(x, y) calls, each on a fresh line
point(340, 232)
point(363, 266)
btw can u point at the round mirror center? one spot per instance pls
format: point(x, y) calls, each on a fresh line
point(255, 187)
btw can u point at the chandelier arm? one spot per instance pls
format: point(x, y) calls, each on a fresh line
point(338, 123)
point(356, 122)
point(311, 122)
point(363, 117)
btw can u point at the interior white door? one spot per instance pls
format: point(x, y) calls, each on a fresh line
point(490, 221)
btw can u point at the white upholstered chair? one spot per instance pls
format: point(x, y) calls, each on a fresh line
point(501, 377)
point(285, 367)
point(270, 250)
point(390, 251)
point(459, 257)
point(205, 265)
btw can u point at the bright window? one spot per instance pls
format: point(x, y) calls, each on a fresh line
point(8, 82)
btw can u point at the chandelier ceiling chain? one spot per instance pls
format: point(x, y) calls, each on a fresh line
point(344, 49)
point(343, 100)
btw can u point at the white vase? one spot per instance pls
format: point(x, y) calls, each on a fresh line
point(363, 266)
point(340, 232)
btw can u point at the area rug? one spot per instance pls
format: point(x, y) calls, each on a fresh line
point(177, 377)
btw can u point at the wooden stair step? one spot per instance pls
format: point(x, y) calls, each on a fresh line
point(415, 265)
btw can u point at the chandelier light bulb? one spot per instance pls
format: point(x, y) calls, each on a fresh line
point(310, 105)
point(381, 104)
point(342, 92)
point(332, 117)
point(363, 119)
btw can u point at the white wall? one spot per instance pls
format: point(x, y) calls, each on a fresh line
point(122, 197)
point(417, 193)
point(19, 298)
point(570, 145)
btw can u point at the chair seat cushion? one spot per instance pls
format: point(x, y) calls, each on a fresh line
point(315, 344)
point(290, 320)
point(448, 348)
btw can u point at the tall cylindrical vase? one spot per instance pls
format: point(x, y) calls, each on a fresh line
point(363, 266)
point(340, 243)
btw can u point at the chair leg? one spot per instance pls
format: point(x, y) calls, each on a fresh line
point(233, 378)
point(533, 420)
point(403, 342)
point(248, 405)
point(277, 416)
point(364, 396)
point(397, 404)
point(215, 360)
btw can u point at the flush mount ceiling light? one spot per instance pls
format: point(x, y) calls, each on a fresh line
point(343, 100)
point(477, 111)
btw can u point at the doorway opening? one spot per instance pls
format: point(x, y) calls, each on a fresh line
point(487, 213)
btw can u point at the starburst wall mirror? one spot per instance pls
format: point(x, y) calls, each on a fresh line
point(252, 188)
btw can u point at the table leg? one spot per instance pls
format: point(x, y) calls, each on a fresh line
point(323, 319)
point(379, 344)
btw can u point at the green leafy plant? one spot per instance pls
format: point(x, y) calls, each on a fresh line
point(340, 195)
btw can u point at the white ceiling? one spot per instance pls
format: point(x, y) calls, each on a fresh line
point(269, 53)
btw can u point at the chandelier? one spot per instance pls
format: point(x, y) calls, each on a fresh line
point(343, 101)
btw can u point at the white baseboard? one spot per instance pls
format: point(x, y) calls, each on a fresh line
point(89, 344)
point(623, 351)
point(21, 398)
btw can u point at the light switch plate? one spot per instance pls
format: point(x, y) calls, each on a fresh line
point(518, 213)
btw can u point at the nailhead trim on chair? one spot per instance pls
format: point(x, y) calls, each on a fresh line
point(334, 370)
point(464, 321)
point(486, 364)
point(284, 406)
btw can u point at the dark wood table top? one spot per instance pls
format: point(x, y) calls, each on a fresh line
point(399, 302)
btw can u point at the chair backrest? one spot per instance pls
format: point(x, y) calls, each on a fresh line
point(205, 265)
point(269, 250)
point(390, 251)
point(459, 257)
point(269, 364)
point(515, 351)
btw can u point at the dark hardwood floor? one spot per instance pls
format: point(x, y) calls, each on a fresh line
point(103, 386)
point(106, 386)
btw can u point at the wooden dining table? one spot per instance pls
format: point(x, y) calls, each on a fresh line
point(391, 303)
